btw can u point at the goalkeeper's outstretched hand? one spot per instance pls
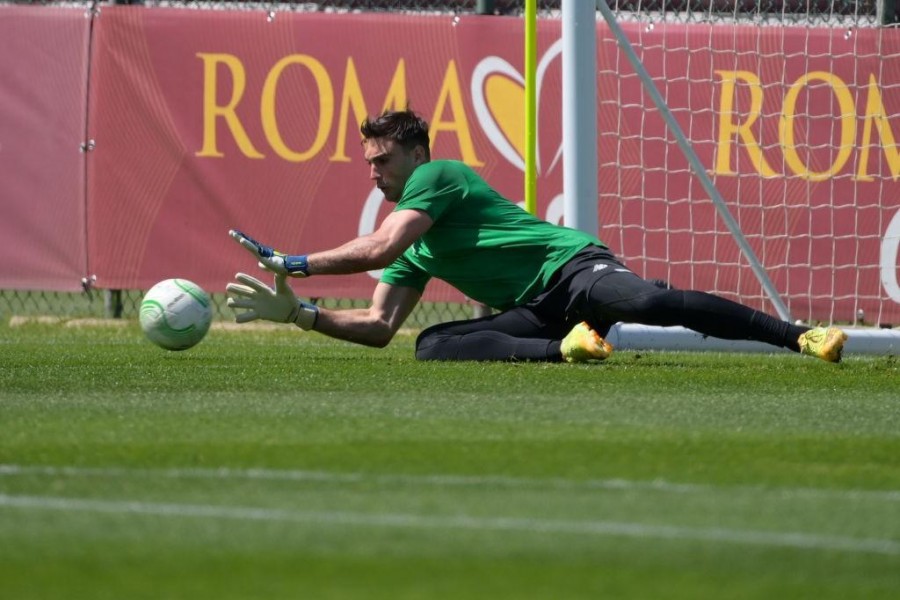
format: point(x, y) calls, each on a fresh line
point(270, 259)
point(256, 300)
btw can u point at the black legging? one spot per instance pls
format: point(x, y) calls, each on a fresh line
point(534, 331)
point(515, 334)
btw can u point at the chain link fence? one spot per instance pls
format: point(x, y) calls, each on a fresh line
point(35, 306)
point(125, 303)
point(864, 12)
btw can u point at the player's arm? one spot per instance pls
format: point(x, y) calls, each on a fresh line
point(368, 252)
point(373, 251)
point(374, 326)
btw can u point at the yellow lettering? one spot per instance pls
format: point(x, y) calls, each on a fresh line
point(876, 113)
point(847, 120)
point(352, 98)
point(729, 130)
point(325, 108)
point(395, 99)
point(212, 112)
point(451, 94)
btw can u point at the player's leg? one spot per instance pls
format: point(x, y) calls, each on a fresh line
point(623, 296)
point(723, 318)
point(516, 334)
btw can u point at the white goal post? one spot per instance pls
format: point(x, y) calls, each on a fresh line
point(752, 185)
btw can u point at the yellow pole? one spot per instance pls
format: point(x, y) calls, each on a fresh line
point(530, 106)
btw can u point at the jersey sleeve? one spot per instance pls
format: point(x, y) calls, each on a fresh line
point(403, 273)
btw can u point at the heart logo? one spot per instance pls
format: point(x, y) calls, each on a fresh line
point(498, 96)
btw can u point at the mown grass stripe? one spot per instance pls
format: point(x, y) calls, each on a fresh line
point(797, 540)
point(442, 480)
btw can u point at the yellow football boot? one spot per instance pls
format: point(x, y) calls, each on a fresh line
point(826, 343)
point(583, 344)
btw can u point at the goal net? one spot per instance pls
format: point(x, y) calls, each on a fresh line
point(793, 109)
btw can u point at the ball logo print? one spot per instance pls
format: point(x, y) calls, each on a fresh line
point(175, 314)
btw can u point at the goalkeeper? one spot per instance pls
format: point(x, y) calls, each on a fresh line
point(558, 291)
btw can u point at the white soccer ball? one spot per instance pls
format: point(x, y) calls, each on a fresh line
point(175, 314)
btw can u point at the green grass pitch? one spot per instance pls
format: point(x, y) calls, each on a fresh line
point(279, 464)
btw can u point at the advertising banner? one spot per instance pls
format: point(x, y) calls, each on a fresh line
point(43, 99)
point(203, 121)
point(211, 121)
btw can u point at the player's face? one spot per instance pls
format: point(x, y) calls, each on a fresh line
point(390, 165)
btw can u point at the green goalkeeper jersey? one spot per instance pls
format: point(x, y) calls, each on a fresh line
point(482, 244)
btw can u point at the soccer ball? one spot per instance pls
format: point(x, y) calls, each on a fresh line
point(175, 314)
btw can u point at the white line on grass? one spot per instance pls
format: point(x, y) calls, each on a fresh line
point(797, 540)
point(438, 480)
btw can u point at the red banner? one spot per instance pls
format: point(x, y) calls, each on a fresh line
point(210, 120)
point(43, 98)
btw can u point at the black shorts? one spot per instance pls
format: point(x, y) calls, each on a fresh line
point(567, 297)
point(594, 286)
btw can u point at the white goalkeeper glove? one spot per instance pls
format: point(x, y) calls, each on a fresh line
point(259, 301)
point(270, 259)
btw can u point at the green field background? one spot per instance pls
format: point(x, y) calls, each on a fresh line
point(272, 463)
